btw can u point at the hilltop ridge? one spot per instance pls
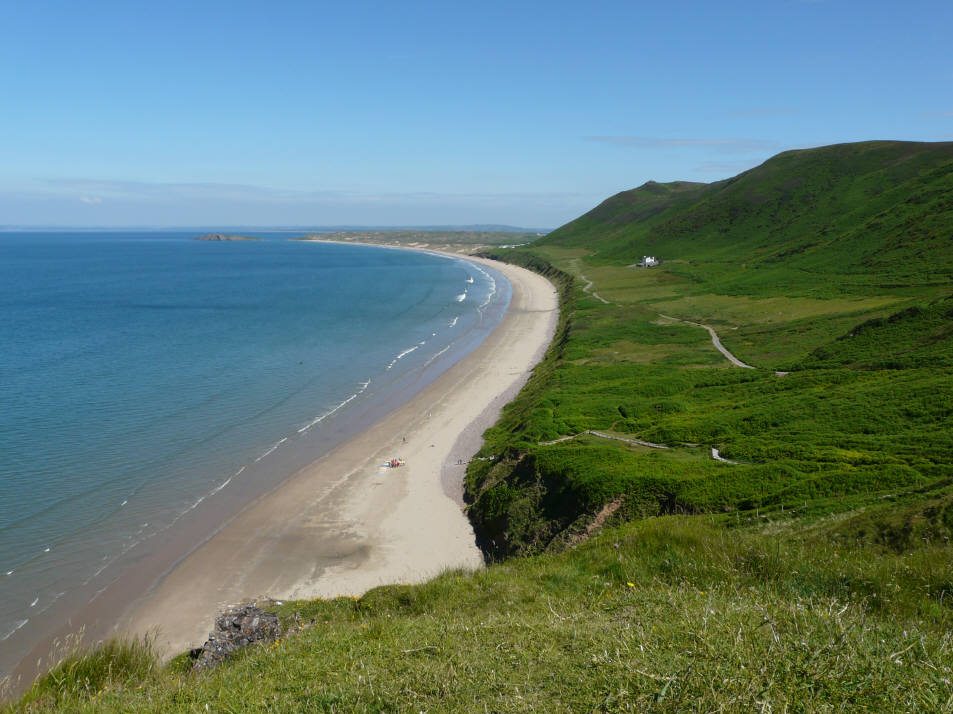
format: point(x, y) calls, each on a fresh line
point(880, 209)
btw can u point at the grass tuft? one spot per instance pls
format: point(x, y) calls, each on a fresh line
point(86, 673)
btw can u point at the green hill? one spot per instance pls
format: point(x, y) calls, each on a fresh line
point(875, 214)
point(806, 568)
point(832, 264)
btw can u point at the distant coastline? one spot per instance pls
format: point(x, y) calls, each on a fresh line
point(460, 242)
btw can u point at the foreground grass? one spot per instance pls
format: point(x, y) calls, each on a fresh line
point(85, 673)
point(668, 614)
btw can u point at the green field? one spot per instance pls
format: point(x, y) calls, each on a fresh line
point(812, 571)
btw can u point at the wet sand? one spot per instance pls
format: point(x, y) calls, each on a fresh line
point(347, 523)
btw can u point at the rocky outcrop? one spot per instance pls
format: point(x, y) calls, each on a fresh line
point(235, 628)
point(223, 237)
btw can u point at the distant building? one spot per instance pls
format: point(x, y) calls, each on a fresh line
point(649, 261)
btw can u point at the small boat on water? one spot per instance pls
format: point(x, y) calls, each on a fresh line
point(470, 280)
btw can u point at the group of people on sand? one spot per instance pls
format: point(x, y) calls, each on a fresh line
point(394, 463)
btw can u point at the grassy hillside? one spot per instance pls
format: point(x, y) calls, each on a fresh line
point(807, 568)
point(833, 266)
point(873, 215)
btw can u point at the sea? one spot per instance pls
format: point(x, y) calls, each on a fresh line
point(152, 382)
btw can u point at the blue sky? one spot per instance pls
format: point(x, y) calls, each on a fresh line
point(525, 113)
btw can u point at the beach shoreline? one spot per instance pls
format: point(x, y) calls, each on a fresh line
point(345, 523)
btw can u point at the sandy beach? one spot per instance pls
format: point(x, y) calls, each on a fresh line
point(347, 523)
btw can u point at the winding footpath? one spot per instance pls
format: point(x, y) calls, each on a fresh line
point(715, 341)
point(713, 451)
point(587, 288)
point(603, 435)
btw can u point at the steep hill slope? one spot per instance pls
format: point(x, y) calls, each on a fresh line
point(832, 267)
point(875, 214)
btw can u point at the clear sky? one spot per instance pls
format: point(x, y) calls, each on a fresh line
point(121, 112)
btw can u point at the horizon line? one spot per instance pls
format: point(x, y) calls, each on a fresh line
point(481, 227)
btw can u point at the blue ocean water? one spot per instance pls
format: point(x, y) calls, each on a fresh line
point(142, 374)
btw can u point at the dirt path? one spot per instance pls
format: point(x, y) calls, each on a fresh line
point(635, 442)
point(715, 453)
point(603, 435)
point(715, 341)
point(587, 288)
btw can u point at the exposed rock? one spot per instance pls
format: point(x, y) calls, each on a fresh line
point(235, 628)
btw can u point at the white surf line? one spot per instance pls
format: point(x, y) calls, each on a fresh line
point(272, 449)
point(399, 357)
point(16, 627)
point(50, 604)
point(440, 353)
point(364, 385)
point(492, 284)
point(715, 341)
point(133, 540)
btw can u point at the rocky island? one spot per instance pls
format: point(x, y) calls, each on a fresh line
point(224, 237)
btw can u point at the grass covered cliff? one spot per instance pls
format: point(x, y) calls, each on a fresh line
point(830, 270)
point(808, 567)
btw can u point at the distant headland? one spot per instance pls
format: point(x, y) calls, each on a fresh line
point(452, 241)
